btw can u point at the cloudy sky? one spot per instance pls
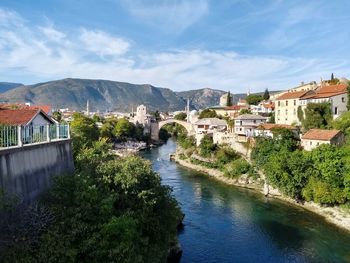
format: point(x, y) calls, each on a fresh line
point(231, 45)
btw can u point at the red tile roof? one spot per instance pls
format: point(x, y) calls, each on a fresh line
point(269, 126)
point(236, 107)
point(44, 108)
point(17, 116)
point(20, 116)
point(328, 91)
point(321, 135)
point(292, 95)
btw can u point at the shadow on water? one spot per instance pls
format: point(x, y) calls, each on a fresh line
point(229, 224)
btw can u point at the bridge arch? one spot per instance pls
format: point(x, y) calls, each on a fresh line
point(157, 126)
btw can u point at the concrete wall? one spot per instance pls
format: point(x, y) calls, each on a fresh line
point(26, 171)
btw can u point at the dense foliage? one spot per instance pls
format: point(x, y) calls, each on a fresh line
point(322, 175)
point(317, 115)
point(110, 210)
point(180, 116)
point(207, 113)
point(254, 99)
point(266, 95)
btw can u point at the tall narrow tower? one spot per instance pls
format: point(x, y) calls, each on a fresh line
point(188, 110)
point(87, 108)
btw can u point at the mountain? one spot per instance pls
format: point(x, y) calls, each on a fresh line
point(109, 95)
point(5, 86)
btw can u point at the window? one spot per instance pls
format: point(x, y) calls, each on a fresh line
point(278, 112)
point(310, 143)
point(286, 112)
point(295, 102)
point(295, 112)
point(286, 102)
point(279, 103)
point(342, 99)
point(336, 110)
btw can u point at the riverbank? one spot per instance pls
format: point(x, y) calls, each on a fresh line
point(334, 215)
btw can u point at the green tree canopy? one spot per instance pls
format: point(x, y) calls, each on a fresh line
point(84, 131)
point(207, 147)
point(124, 129)
point(342, 123)
point(57, 115)
point(317, 115)
point(207, 113)
point(266, 95)
point(245, 111)
point(254, 99)
point(229, 99)
point(180, 116)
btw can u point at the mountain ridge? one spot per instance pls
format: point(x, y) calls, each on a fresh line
point(109, 95)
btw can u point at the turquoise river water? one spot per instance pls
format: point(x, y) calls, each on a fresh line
point(229, 224)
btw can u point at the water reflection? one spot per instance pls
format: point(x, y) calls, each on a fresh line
point(228, 224)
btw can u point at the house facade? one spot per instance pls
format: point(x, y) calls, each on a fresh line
point(286, 107)
point(335, 95)
point(246, 124)
point(315, 137)
point(266, 129)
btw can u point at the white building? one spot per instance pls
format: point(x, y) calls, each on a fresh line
point(266, 129)
point(315, 137)
point(246, 124)
point(336, 95)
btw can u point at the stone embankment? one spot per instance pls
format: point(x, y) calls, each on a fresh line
point(334, 215)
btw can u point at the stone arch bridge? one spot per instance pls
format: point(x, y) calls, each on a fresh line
point(156, 126)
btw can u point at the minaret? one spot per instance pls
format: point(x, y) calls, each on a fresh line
point(87, 108)
point(188, 110)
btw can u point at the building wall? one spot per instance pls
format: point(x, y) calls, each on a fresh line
point(39, 120)
point(286, 111)
point(27, 171)
point(308, 145)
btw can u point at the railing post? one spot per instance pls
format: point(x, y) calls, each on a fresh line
point(19, 136)
point(57, 131)
point(48, 138)
point(68, 131)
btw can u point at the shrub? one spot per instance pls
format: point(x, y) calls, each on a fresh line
point(236, 168)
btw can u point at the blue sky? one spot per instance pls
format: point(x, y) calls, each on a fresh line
point(232, 45)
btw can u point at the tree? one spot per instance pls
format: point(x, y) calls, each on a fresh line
point(266, 95)
point(245, 111)
point(229, 99)
point(348, 93)
point(207, 147)
point(300, 114)
point(180, 116)
point(57, 115)
point(332, 76)
point(110, 210)
point(342, 123)
point(124, 129)
point(317, 115)
point(107, 128)
point(254, 99)
point(84, 131)
point(207, 113)
point(156, 115)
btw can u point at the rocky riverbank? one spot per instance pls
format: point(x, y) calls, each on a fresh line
point(334, 215)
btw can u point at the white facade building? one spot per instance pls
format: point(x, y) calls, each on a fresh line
point(246, 124)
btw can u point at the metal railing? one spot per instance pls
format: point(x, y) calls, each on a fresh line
point(11, 136)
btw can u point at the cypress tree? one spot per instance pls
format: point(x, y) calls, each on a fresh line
point(266, 95)
point(229, 100)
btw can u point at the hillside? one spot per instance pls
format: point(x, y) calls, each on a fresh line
point(5, 86)
point(109, 95)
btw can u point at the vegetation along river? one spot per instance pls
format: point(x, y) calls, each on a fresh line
point(228, 224)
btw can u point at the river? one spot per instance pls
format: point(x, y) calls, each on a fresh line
point(229, 224)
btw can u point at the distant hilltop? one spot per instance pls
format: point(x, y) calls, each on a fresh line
point(105, 95)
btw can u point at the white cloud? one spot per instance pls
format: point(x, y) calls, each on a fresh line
point(102, 43)
point(45, 53)
point(173, 16)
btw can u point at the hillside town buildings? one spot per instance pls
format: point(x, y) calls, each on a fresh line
point(315, 137)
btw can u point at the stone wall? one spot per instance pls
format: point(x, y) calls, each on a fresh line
point(26, 171)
